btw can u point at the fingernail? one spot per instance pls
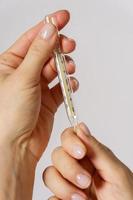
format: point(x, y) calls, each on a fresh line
point(78, 152)
point(71, 62)
point(76, 83)
point(83, 180)
point(77, 197)
point(84, 128)
point(47, 31)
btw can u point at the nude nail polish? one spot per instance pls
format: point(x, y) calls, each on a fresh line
point(78, 152)
point(83, 180)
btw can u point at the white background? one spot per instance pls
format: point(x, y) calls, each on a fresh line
point(104, 57)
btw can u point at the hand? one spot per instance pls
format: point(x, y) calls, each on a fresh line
point(83, 168)
point(28, 104)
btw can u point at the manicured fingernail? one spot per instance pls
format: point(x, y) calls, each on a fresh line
point(78, 152)
point(77, 197)
point(47, 31)
point(85, 129)
point(83, 180)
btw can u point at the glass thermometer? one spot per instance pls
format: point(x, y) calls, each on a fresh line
point(64, 80)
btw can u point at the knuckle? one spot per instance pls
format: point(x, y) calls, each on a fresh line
point(101, 147)
point(66, 134)
point(10, 59)
point(46, 172)
point(53, 198)
point(36, 50)
point(97, 144)
point(4, 58)
point(108, 150)
point(123, 171)
point(57, 151)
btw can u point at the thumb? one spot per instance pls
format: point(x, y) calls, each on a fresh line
point(102, 158)
point(38, 53)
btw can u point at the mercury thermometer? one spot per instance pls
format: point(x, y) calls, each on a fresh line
point(64, 79)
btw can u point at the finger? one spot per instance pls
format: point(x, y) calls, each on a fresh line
point(70, 169)
point(21, 46)
point(57, 93)
point(61, 187)
point(11, 59)
point(102, 158)
point(49, 72)
point(38, 54)
point(67, 44)
point(53, 198)
point(8, 59)
point(87, 165)
point(72, 144)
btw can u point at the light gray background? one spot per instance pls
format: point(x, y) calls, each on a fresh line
point(104, 56)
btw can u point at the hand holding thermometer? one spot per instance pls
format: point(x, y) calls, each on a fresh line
point(64, 80)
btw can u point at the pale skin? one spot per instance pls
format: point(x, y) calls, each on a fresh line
point(28, 105)
point(27, 109)
point(85, 169)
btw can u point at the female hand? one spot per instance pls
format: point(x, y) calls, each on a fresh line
point(27, 104)
point(83, 168)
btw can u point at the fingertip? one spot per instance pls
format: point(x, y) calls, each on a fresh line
point(82, 130)
point(67, 44)
point(71, 68)
point(46, 173)
point(64, 12)
point(62, 17)
point(72, 144)
point(74, 84)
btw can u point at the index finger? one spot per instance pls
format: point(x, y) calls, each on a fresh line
point(21, 46)
point(72, 144)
